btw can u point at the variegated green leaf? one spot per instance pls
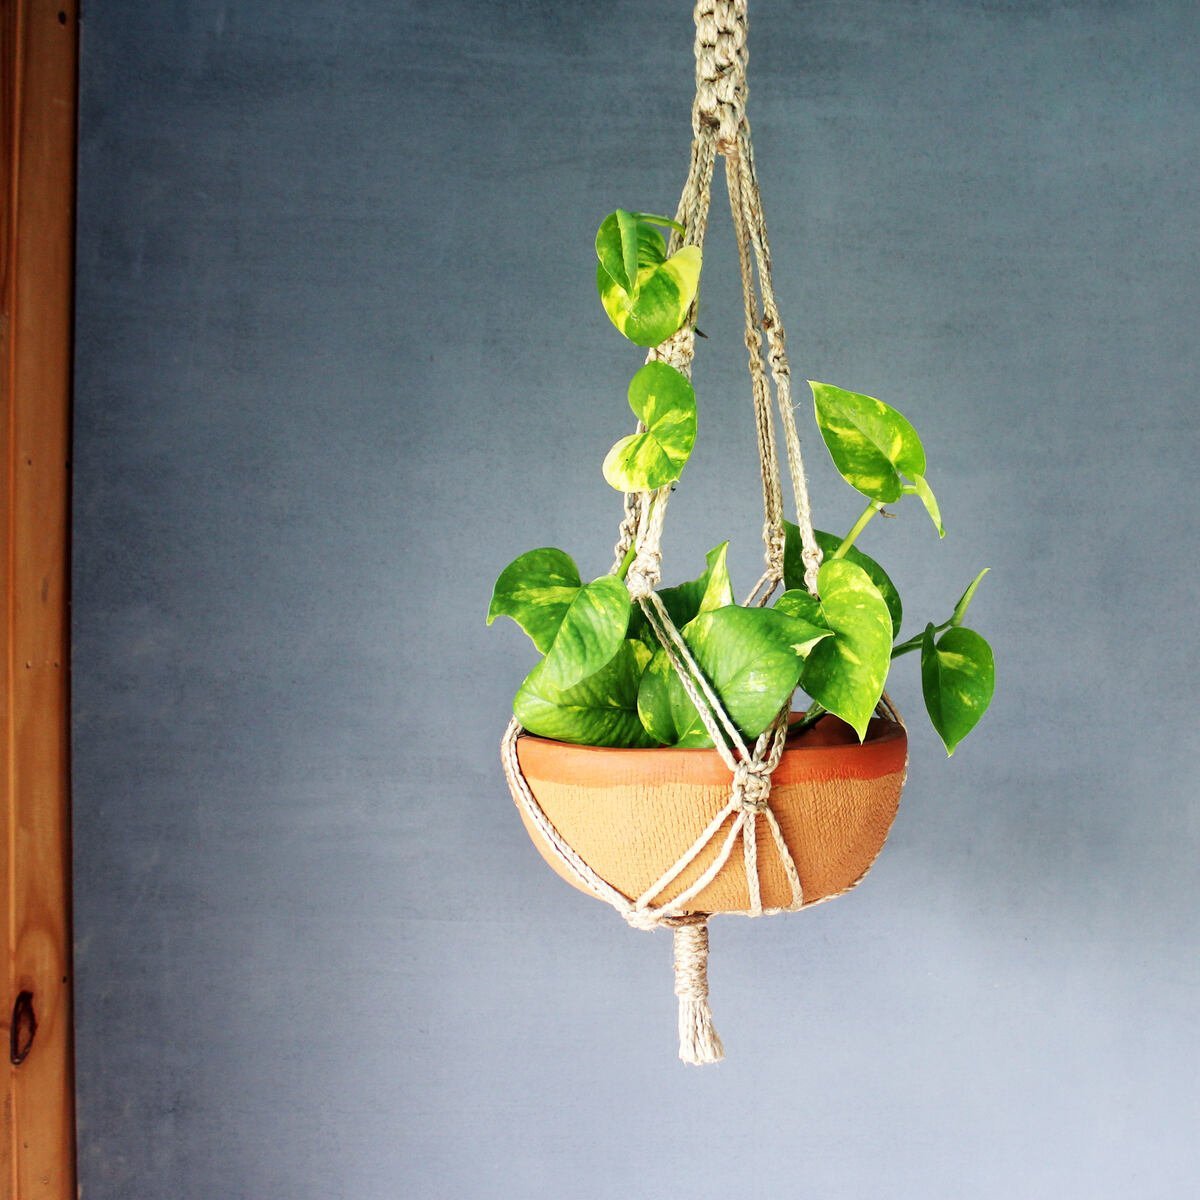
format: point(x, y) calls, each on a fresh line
point(658, 718)
point(535, 590)
point(663, 400)
point(958, 676)
point(925, 493)
point(655, 219)
point(592, 629)
point(660, 300)
point(617, 247)
point(845, 673)
point(710, 591)
point(870, 442)
point(964, 601)
point(599, 711)
point(793, 567)
point(752, 657)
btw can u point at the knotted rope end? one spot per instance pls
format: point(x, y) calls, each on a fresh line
point(699, 1042)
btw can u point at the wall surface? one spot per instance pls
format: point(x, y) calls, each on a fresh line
point(340, 359)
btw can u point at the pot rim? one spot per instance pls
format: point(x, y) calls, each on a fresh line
point(880, 732)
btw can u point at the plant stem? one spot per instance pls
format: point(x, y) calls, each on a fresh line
point(863, 521)
point(914, 642)
point(811, 717)
point(627, 561)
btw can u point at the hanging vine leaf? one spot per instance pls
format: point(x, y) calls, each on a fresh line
point(599, 711)
point(650, 306)
point(845, 673)
point(793, 567)
point(535, 590)
point(958, 676)
point(663, 400)
point(751, 656)
point(577, 627)
point(870, 442)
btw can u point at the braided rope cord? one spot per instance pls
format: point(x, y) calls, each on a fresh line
point(719, 129)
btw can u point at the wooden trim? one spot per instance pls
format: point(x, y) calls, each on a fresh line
point(39, 50)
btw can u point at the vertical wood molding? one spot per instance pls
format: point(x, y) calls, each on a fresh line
point(39, 56)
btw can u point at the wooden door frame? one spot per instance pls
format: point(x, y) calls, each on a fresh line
point(39, 55)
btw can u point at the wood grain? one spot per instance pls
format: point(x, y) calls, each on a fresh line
point(39, 105)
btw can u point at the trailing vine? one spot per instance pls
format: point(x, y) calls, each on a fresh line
point(604, 680)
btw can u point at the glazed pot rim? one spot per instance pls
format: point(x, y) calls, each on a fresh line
point(880, 732)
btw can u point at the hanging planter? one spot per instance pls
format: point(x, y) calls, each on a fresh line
point(631, 814)
point(653, 753)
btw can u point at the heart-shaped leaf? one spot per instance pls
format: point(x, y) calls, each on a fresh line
point(793, 567)
point(578, 628)
point(845, 673)
point(535, 590)
point(958, 676)
point(599, 711)
point(592, 629)
point(659, 302)
point(964, 601)
point(751, 656)
point(870, 442)
point(663, 400)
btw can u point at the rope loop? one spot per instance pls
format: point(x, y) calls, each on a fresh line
point(812, 557)
point(720, 71)
point(645, 919)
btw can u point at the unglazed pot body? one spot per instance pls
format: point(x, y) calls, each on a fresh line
point(631, 814)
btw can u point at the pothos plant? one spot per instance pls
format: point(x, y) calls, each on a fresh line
point(604, 680)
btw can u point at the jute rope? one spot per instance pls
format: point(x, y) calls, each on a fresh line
point(719, 129)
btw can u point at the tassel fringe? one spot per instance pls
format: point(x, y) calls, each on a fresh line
point(699, 1042)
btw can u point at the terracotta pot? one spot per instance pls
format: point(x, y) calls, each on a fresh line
point(630, 814)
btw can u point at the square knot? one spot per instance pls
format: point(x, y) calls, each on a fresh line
point(775, 537)
point(752, 786)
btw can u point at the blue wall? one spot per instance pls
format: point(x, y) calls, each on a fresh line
point(340, 359)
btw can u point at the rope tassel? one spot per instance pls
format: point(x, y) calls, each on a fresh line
point(699, 1042)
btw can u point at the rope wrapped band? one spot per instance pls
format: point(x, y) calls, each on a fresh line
point(720, 129)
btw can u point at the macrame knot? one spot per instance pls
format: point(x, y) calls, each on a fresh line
point(644, 574)
point(812, 558)
point(775, 537)
point(752, 786)
point(678, 350)
point(720, 70)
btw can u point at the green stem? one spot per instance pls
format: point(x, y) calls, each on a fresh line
point(863, 521)
point(811, 717)
point(627, 561)
point(655, 219)
point(914, 642)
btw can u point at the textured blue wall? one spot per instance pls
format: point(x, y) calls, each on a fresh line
point(340, 359)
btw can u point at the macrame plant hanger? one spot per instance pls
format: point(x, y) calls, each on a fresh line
point(719, 130)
